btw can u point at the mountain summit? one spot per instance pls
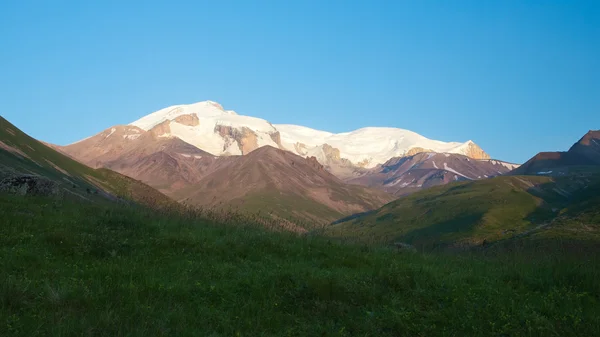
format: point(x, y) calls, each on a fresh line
point(208, 126)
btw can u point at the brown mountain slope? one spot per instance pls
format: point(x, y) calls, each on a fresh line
point(584, 153)
point(405, 175)
point(165, 163)
point(28, 166)
point(282, 184)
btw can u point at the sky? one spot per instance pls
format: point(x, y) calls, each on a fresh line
point(516, 77)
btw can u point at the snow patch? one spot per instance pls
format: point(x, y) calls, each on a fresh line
point(454, 171)
point(111, 132)
point(545, 172)
point(132, 137)
point(509, 166)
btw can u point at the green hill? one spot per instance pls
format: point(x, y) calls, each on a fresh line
point(466, 214)
point(22, 156)
point(71, 269)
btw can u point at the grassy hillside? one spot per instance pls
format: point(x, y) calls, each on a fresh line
point(22, 155)
point(467, 213)
point(71, 269)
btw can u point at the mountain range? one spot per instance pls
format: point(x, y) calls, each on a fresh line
point(178, 146)
point(208, 126)
point(553, 196)
point(420, 195)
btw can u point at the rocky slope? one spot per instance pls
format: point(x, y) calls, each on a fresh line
point(584, 154)
point(405, 175)
point(164, 162)
point(267, 178)
point(284, 185)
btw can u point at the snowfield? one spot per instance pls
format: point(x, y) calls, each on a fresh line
point(369, 146)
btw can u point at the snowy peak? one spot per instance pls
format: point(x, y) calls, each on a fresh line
point(208, 126)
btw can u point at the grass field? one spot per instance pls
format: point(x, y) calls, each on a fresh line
point(74, 269)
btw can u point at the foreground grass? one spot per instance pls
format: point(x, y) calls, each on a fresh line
point(69, 269)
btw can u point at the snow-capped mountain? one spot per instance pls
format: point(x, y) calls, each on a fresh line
point(208, 126)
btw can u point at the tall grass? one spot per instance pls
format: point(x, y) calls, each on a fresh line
point(71, 269)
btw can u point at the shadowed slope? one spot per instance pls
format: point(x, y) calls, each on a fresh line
point(469, 213)
point(583, 154)
point(286, 185)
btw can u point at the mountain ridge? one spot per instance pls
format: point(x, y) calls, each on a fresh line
point(208, 126)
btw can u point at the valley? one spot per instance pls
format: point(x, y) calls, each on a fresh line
point(270, 242)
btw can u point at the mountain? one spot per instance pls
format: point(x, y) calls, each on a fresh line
point(368, 147)
point(166, 163)
point(471, 213)
point(553, 195)
point(405, 175)
point(209, 127)
point(28, 166)
point(282, 184)
point(584, 153)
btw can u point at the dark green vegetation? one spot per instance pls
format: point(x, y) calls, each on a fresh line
point(501, 209)
point(21, 155)
point(83, 269)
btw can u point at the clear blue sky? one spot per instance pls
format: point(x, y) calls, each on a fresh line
point(516, 77)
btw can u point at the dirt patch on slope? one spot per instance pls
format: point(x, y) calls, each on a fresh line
point(57, 167)
point(13, 150)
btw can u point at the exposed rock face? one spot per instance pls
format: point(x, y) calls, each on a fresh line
point(245, 138)
point(331, 152)
point(30, 185)
point(301, 148)
point(475, 152)
point(276, 137)
point(161, 129)
point(416, 150)
point(363, 163)
point(189, 120)
point(314, 163)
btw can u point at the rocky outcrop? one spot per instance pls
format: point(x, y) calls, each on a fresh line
point(245, 138)
point(331, 153)
point(474, 151)
point(162, 129)
point(189, 120)
point(416, 150)
point(301, 148)
point(30, 185)
point(314, 163)
point(276, 137)
point(363, 163)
